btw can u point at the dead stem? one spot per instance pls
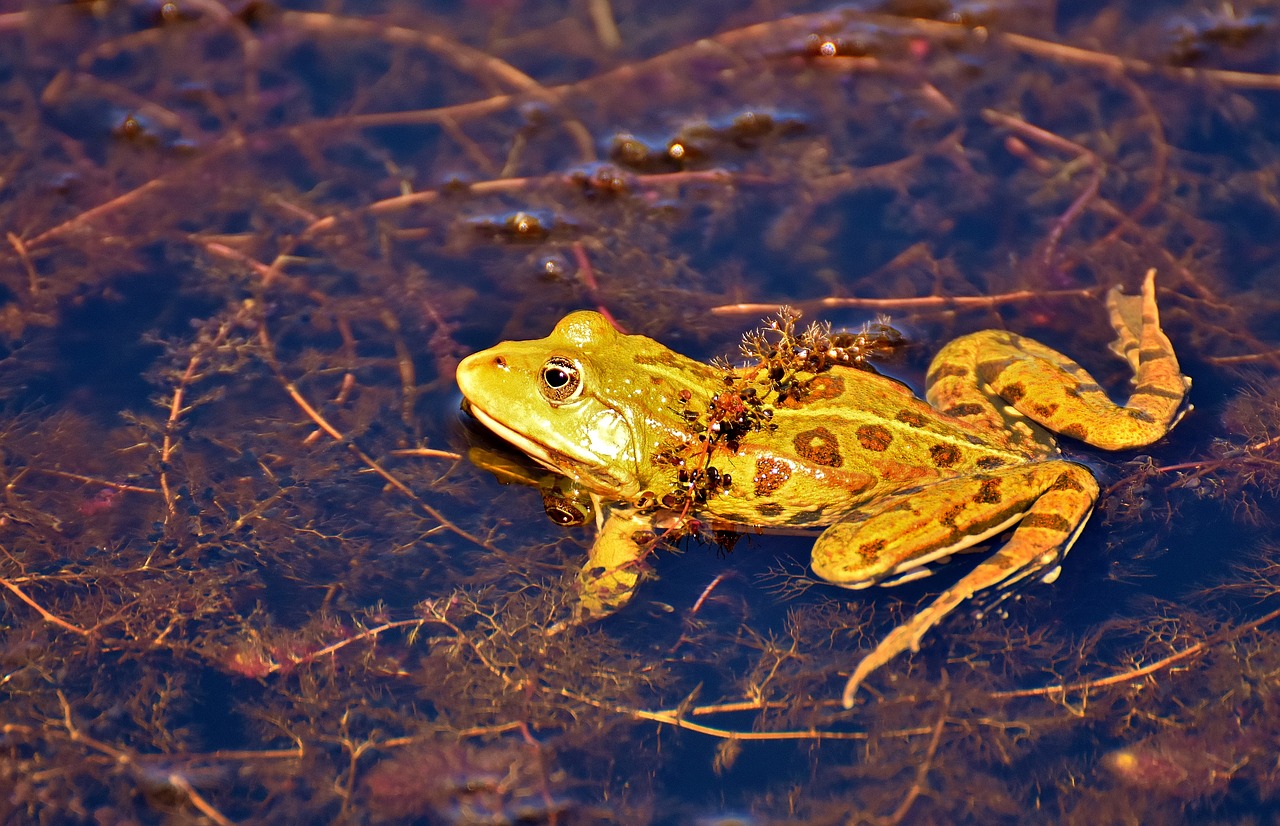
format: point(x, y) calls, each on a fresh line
point(91, 480)
point(33, 278)
point(922, 770)
point(769, 32)
point(124, 757)
point(377, 468)
point(601, 12)
point(404, 363)
point(153, 186)
point(921, 303)
point(672, 718)
point(369, 462)
point(440, 616)
point(399, 203)
point(588, 275)
point(1159, 167)
point(333, 648)
point(197, 800)
point(463, 57)
point(1272, 355)
point(48, 617)
point(169, 444)
point(1089, 192)
point(1063, 689)
point(426, 453)
point(1121, 65)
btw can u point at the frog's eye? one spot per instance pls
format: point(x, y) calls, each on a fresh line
point(560, 380)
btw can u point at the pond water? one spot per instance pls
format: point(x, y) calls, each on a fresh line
point(254, 571)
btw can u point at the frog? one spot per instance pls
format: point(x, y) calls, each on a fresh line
point(896, 484)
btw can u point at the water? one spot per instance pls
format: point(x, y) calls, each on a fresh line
point(250, 575)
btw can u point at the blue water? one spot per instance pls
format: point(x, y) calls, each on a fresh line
point(251, 573)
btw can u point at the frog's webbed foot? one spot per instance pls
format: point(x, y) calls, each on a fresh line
point(1053, 500)
point(613, 568)
point(1159, 386)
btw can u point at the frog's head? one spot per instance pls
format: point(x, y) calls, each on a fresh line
point(586, 401)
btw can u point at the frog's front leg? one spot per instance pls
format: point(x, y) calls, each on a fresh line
point(1052, 501)
point(615, 564)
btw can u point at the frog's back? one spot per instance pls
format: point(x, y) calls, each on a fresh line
point(855, 436)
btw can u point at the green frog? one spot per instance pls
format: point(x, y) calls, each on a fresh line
point(900, 484)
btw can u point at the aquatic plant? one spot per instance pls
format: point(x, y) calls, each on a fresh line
point(247, 575)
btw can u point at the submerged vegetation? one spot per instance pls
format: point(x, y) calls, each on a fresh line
point(247, 575)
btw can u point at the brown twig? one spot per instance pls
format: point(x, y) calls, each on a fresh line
point(44, 614)
point(33, 278)
point(920, 303)
point(377, 468)
point(1063, 689)
point(125, 757)
point(673, 718)
point(169, 443)
point(92, 480)
point(333, 648)
point(463, 57)
point(1133, 66)
point(922, 771)
point(1082, 200)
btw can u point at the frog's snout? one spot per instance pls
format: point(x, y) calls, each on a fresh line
point(470, 370)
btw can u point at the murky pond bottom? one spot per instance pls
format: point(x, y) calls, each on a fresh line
point(253, 571)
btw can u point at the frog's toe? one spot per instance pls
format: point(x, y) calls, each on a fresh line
point(900, 640)
point(603, 591)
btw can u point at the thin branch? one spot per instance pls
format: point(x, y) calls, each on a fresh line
point(919, 303)
point(48, 617)
point(1138, 673)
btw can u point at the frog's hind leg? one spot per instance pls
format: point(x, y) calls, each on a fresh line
point(1051, 389)
point(1053, 500)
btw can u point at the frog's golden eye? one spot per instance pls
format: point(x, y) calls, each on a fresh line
point(560, 380)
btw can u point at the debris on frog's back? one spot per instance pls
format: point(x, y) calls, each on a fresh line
point(792, 359)
point(785, 369)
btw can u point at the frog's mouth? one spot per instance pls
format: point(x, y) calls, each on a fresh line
point(513, 437)
point(606, 448)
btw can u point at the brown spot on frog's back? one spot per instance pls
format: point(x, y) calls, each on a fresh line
point(769, 510)
point(967, 409)
point(1013, 392)
point(990, 462)
point(1050, 521)
point(910, 418)
point(819, 446)
point(812, 516)
point(825, 387)
point(820, 388)
point(947, 371)
point(988, 492)
point(1076, 431)
point(1065, 482)
point(771, 474)
point(1044, 411)
point(874, 437)
point(869, 552)
point(944, 455)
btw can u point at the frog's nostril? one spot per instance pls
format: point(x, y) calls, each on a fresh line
point(499, 361)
